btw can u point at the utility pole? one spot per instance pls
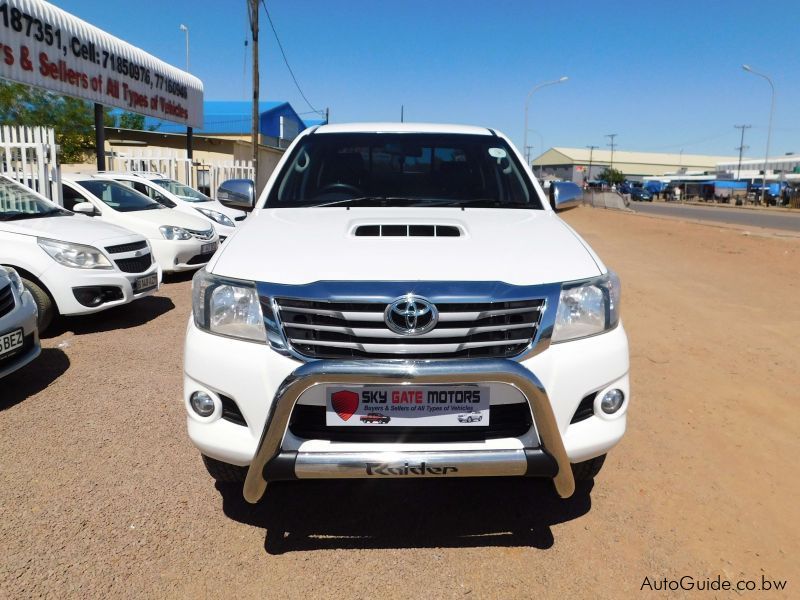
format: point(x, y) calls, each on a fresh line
point(528, 154)
point(741, 148)
point(189, 154)
point(253, 5)
point(402, 116)
point(591, 152)
point(611, 137)
point(327, 116)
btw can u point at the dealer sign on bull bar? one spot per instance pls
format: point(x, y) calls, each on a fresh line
point(44, 46)
point(407, 406)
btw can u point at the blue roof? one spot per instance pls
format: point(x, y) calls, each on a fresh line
point(234, 116)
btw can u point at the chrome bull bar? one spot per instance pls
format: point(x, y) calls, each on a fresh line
point(270, 463)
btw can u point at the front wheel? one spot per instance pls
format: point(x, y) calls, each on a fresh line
point(588, 469)
point(224, 472)
point(44, 303)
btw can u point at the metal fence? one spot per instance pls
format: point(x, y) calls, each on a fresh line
point(29, 155)
point(205, 176)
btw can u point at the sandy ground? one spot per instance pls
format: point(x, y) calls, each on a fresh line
point(102, 494)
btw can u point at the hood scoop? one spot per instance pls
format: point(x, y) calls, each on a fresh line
point(395, 230)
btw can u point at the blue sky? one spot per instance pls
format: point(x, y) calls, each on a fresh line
point(664, 76)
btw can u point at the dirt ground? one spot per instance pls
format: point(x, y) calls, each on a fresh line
point(102, 495)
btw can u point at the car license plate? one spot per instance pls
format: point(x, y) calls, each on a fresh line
point(208, 248)
point(11, 341)
point(407, 405)
point(145, 283)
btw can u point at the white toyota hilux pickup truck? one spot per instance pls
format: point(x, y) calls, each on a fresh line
point(404, 301)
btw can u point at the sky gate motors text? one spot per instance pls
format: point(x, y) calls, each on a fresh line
point(421, 397)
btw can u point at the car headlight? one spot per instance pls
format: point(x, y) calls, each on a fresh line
point(587, 308)
point(75, 255)
point(16, 280)
point(227, 307)
point(217, 217)
point(170, 232)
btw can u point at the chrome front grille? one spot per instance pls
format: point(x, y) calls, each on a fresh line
point(336, 329)
point(202, 235)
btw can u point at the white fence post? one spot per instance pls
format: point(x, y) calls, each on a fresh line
point(29, 155)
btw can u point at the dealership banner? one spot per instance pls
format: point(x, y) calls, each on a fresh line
point(44, 46)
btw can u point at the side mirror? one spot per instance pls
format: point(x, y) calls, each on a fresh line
point(85, 208)
point(565, 194)
point(237, 193)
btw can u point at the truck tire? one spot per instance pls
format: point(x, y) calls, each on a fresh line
point(47, 309)
point(224, 472)
point(583, 471)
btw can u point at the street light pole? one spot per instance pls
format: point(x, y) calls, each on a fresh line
point(185, 29)
point(527, 102)
point(189, 153)
point(749, 69)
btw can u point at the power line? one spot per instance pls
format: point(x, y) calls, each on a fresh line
point(286, 60)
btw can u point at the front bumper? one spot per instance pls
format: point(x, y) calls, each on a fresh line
point(181, 255)
point(256, 379)
point(272, 463)
point(24, 316)
point(61, 282)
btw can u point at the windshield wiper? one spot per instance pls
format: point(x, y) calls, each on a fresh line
point(18, 216)
point(381, 200)
point(486, 202)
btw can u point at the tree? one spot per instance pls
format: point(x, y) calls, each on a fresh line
point(611, 176)
point(129, 120)
point(71, 118)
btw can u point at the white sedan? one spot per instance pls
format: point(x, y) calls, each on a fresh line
point(180, 242)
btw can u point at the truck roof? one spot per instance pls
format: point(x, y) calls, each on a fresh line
point(402, 128)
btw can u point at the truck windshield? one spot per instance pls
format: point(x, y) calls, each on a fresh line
point(18, 202)
point(117, 196)
point(403, 169)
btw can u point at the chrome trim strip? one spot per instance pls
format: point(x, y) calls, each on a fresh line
point(350, 465)
point(438, 292)
point(394, 372)
point(443, 332)
point(411, 348)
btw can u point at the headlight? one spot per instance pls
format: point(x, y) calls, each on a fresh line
point(16, 280)
point(217, 217)
point(227, 307)
point(171, 232)
point(75, 255)
point(587, 309)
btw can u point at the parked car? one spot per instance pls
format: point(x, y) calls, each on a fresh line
point(19, 336)
point(470, 417)
point(641, 194)
point(386, 256)
point(180, 242)
point(71, 265)
point(173, 194)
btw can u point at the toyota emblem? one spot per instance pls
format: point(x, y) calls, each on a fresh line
point(411, 315)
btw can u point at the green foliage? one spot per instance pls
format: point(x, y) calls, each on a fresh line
point(611, 176)
point(71, 118)
point(129, 120)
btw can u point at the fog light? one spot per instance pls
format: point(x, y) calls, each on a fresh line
point(612, 401)
point(202, 403)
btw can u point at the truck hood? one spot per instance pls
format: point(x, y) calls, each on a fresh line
point(77, 229)
point(303, 245)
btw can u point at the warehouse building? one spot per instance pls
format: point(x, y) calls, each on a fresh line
point(573, 164)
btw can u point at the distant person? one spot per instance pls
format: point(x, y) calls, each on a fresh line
point(676, 193)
